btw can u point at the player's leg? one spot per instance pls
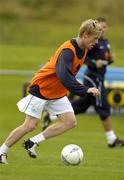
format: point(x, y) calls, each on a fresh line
point(47, 119)
point(61, 107)
point(32, 107)
point(66, 121)
point(81, 105)
point(104, 112)
point(29, 124)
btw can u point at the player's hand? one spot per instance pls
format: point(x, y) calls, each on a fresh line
point(93, 91)
point(99, 63)
point(112, 56)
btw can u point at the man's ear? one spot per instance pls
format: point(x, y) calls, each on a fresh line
point(85, 35)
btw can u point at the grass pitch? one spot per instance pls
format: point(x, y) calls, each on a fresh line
point(99, 161)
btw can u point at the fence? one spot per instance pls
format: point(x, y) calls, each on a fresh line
point(114, 83)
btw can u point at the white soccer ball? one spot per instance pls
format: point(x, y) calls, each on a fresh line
point(72, 154)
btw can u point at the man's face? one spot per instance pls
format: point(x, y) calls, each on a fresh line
point(104, 27)
point(90, 40)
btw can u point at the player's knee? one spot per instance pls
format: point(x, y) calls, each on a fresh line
point(72, 123)
point(105, 117)
point(30, 125)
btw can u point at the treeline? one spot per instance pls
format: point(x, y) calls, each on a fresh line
point(62, 11)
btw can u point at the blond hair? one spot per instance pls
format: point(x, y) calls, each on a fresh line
point(90, 27)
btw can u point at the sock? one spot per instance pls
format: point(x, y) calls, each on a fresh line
point(38, 138)
point(110, 135)
point(3, 149)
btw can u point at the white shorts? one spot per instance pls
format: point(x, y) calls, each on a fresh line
point(34, 106)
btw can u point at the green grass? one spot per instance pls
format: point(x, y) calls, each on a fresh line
point(28, 37)
point(35, 32)
point(30, 57)
point(23, 57)
point(99, 161)
point(47, 33)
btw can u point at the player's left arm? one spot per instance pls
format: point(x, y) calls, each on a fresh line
point(112, 57)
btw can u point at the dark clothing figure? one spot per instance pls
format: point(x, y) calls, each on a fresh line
point(95, 77)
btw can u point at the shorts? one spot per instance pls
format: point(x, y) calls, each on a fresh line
point(34, 106)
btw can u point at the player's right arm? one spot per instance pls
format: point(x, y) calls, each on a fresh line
point(63, 72)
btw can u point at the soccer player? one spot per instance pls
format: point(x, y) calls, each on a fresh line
point(48, 90)
point(98, 58)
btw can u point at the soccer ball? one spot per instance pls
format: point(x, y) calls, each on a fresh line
point(72, 154)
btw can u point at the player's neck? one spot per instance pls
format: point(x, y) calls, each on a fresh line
point(80, 43)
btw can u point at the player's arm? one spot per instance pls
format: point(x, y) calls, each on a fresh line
point(111, 57)
point(96, 63)
point(101, 62)
point(92, 58)
point(93, 61)
point(63, 72)
point(90, 62)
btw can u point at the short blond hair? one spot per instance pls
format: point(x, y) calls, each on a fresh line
point(90, 27)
